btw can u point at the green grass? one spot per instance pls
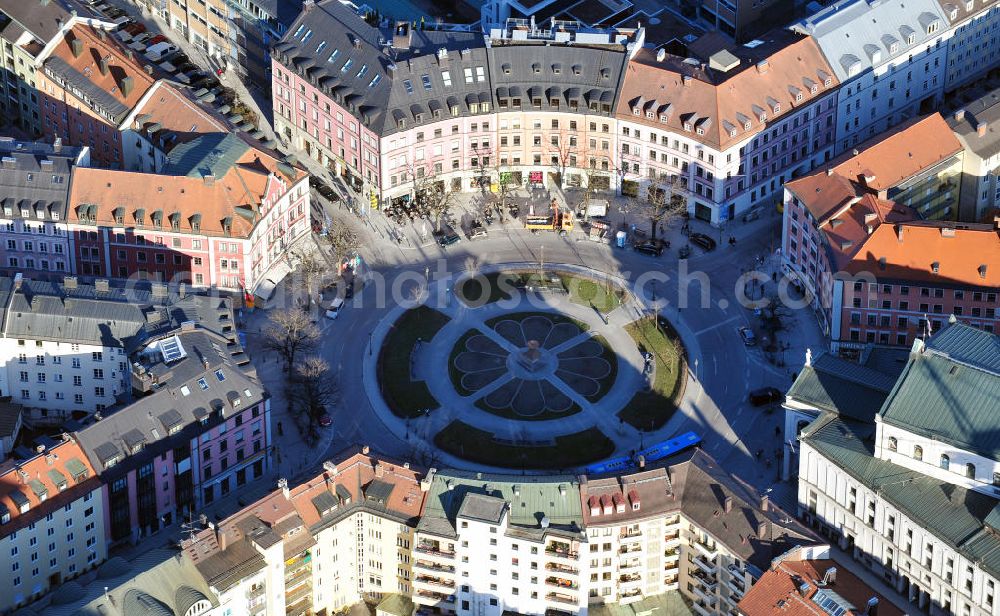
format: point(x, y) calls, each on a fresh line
point(649, 410)
point(453, 372)
point(602, 296)
point(556, 318)
point(609, 355)
point(509, 413)
point(406, 398)
point(499, 285)
point(569, 451)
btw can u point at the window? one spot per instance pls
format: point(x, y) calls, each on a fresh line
point(970, 471)
point(945, 461)
point(892, 443)
point(918, 452)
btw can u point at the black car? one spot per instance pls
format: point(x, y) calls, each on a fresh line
point(684, 252)
point(703, 241)
point(447, 237)
point(653, 248)
point(766, 395)
point(477, 230)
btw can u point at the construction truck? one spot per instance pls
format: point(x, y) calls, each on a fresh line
point(558, 220)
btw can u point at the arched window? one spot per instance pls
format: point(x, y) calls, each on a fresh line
point(970, 471)
point(996, 479)
point(892, 443)
point(945, 461)
point(918, 452)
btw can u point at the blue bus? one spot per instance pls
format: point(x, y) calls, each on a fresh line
point(652, 453)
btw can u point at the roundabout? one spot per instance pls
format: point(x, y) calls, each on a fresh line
point(536, 377)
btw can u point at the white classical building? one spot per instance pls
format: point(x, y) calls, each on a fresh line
point(890, 59)
point(915, 496)
point(972, 39)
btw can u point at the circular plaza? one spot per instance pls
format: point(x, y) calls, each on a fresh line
point(514, 368)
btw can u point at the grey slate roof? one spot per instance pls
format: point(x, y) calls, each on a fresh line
point(98, 96)
point(950, 391)
point(209, 154)
point(841, 386)
point(863, 32)
point(984, 110)
point(589, 74)
point(321, 42)
point(42, 19)
point(954, 514)
point(482, 508)
point(119, 317)
point(28, 184)
point(190, 387)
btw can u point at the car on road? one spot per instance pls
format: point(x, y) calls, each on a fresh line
point(446, 237)
point(326, 192)
point(333, 308)
point(751, 214)
point(702, 241)
point(652, 248)
point(325, 421)
point(765, 395)
point(749, 339)
point(684, 252)
point(477, 230)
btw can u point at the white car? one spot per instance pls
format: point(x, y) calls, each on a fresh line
point(332, 310)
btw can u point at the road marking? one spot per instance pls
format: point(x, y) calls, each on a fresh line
point(717, 325)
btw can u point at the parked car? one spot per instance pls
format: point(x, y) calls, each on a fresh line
point(748, 336)
point(334, 307)
point(447, 236)
point(751, 214)
point(325, 421)
point(653, 248)
point(702, 241)
point(766, 395)
point(684, 252)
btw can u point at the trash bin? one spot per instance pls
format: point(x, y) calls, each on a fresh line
point(620, 239)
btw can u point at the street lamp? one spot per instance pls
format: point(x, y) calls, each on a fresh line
point(370, 344)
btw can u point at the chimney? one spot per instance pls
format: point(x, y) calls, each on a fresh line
point(981, 128)
point(182, 290)
point(126, 86)
point(379, 469)
point(209, 180)
point(220, 537)
point(959, 115)
point(686, 79)
point(764, 502)
point(57, 144)
point(803, 588)
point(101, 285)
point(76, 46)
point(283, 486)
point(871, 609)
point(947, 231)
point(899, 232)
point(763, 66)
point(642, 462)
point(982, 271)
point(102, 64)
point(829, 171)
point(69, 282)
point(661, 53)
point(364, 450)
point(727, 505)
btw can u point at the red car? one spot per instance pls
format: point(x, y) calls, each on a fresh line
point(159, 38)
point(325, 421)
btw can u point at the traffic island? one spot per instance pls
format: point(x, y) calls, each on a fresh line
point(406, 396)
point(649, 410)
point(561, 452)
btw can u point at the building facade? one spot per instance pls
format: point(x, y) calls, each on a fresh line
point(889, 492)
point(890, 61)
point(972, 41)
point(51, 521)
point(198, 430)
point(974, 125)
point(35, 180)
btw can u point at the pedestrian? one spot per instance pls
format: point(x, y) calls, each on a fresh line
point(777, 430)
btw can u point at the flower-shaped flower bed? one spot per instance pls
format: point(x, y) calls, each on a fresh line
point(532, 366)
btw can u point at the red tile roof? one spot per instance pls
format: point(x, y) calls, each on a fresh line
point(778, 592)
point(44, 483)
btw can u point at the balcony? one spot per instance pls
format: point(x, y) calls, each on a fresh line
point(629, 564)
point(630, 596)
point(302, 592)
point(430, 566)
point(296, 564)
point(561, 598)
point(254, 593)
point(561, 568)
point(707, 549)
point(706, 598)
point(703, 610)
point(631, 536)
point(435, 581)
point(672, 554)
point(561, 550)
point(559, 582)
point(705, 582)
point(630, 580)
point(673, 537)
point(435, 552)
point(300, 576)
point(630, 548)
point(704, 565)
point(430, 597)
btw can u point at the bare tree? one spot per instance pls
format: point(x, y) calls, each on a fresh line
point(290, 332)
point(432, 197)
point(564, 151)
point(310, 270)
point(665, 200)
point(343, 239)
point(311, 387)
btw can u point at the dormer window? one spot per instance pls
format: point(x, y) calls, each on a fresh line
point(688, 126)
point(400, 124)
point(911, 38)
point(933, 27)
point(650, 115)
